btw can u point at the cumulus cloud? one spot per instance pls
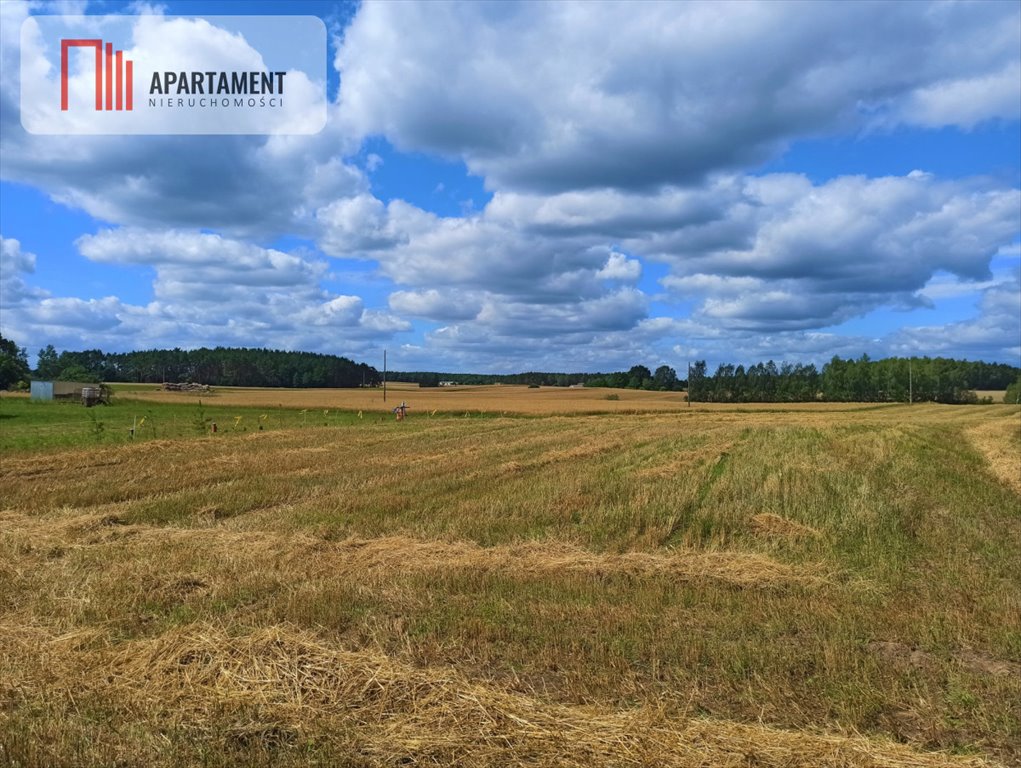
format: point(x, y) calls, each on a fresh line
point(356, 226)
point(208, 289)
point(775, 254)
point(486, 275)
point(416, 248)
point(797, 255)
point(995, 330)
point(14, 264)
point(201, 259)
point(965, 101)
point(619, 310)
point(620, 267)
point(437, 305)
point(613, 212)
point(540, 97)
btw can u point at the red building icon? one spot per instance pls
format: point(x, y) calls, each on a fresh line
point(113, 68)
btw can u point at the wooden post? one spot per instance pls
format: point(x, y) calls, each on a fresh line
point(384, 375)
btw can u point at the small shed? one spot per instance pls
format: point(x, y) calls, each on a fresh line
point(41, 390)
point(58, 390)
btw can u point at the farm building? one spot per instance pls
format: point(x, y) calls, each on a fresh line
point(58, 390)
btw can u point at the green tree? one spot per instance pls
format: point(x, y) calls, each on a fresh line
point(13, 363)
point(664, 379)
point(697, 382)
point(48, 366)
point(637, 376)
point(78, 373)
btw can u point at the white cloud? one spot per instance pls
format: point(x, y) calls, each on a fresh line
point(943, 286)
point(966, 101)
point(355, 225)
point(675, 92)
point(995, 333)
point(620, 310)
point(620, 267)
point(444, 306)
point(791, 254)
point(14, 263)
point(208, 289)
point(84, 316)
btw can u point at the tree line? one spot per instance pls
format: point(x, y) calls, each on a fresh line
point(221, 366)
point(893, 379)
point(638, 377)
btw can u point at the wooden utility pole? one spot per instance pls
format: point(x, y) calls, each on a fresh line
point(689, 383)
point(384, 375)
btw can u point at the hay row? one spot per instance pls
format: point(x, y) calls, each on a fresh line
point(396, 553)
point(199, 677)
point(399, 554)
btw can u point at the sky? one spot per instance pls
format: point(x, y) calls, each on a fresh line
point(502, 187)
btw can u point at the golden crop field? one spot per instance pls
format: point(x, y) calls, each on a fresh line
point(487, 399)
point(821, 585)
point(491, 399)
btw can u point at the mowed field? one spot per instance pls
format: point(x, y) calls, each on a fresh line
point(513, 578)
point(485, 400)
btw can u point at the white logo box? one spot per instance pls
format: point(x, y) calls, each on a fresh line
point(151, 74)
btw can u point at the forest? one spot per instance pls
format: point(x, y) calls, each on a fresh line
point(893, 379)
point(222, 366)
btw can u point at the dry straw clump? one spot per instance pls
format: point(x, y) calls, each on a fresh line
point(772, 526)
point(277, 684)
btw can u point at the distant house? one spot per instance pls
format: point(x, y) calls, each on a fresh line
point(58, 390)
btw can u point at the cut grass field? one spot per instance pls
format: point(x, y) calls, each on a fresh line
point(724, 586)
point(491, 400)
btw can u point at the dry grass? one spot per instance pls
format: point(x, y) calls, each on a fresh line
point(272, 684)
point(472, 400)
point(709, 587)
point(1000, 442)
point(395, 555)
point(774, 526)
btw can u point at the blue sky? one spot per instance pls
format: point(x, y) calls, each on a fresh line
point(528, 186)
